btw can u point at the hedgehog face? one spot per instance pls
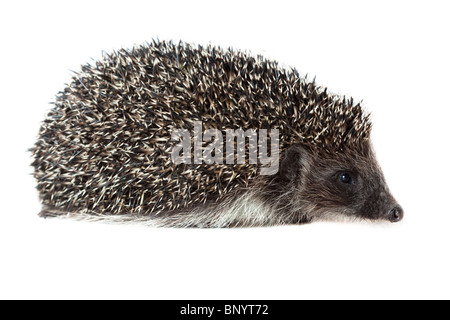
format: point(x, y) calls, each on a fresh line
point(344, 184)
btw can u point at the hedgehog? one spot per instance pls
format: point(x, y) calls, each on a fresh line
point(105, 150)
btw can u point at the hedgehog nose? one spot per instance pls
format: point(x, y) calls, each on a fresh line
point(395, 214)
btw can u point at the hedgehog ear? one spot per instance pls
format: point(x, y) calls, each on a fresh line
point(294, 159)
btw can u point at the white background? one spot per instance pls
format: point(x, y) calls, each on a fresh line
point(393, 55)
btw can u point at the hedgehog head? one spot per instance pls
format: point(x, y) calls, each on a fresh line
point(340, 179)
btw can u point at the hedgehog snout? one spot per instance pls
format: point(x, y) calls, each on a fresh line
point(395, 214)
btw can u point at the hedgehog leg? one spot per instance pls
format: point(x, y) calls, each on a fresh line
point(48, 212)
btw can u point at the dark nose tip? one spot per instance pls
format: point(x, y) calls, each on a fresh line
point(395, 214)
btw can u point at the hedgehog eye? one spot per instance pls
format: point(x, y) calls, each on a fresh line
point(345, 178)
